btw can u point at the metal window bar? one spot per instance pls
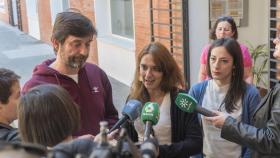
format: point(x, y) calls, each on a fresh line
point(167, 38)
point(170, 10)
point(152, 19)
point(167, 10)
point(171, 24)
point(273, 73)
point(18, 2)
point(165, 24)
point(178, 32)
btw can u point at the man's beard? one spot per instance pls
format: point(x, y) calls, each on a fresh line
point(76, 62)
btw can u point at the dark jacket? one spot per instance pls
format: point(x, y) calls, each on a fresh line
point(264, 136)
point(93, 93)
point(186, 134)
point(8, 133)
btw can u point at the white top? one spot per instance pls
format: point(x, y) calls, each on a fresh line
point(74, 77)
point(213, 145)
point(163, 128)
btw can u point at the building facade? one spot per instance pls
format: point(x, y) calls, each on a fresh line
point(126, 26)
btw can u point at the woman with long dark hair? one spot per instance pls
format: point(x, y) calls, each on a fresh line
point(225, 91)
point(263, 135)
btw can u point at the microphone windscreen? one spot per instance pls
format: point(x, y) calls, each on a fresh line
point(132, 109)
point(188, 104)
point(150, 112)
point(185, 102)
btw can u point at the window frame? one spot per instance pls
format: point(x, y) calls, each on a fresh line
point(61, 9)
point(103, 25)
point(110, 23)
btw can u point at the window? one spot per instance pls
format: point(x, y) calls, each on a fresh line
point(122, 18)
point(234, 8)
point(58, 6)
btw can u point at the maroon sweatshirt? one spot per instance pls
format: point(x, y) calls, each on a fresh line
point(93, 93)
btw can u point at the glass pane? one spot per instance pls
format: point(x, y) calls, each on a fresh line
point(121, 18)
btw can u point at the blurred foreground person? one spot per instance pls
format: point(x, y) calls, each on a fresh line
point(21, 150)
point(47, 116)
point(9, 99)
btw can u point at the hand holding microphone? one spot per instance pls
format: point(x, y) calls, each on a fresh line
point(188, 104)
point(149, 116)
point(130, 112)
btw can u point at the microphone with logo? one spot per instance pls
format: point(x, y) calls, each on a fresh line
point(150, 117)
point(130, 112)
point(188, 104)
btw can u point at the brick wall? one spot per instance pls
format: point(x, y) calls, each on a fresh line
point(141, 23)
point(24, 16)
point(4, 14)
point(143, 29)
point(45, 22)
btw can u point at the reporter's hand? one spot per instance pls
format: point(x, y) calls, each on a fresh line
point(113, 134)
point(219, 120)
point(86, 136)
point(110, 137)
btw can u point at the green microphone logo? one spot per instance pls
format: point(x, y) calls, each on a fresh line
point(185, 102)
point(150, 112)
point(149, 108)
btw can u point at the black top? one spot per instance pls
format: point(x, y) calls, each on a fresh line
point(263, 137)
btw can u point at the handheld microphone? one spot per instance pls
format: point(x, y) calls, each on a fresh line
point(126, 147)
point(150, 117)
point(188, 104)
point(103, 149)
point(130, 112)
point(149, 148)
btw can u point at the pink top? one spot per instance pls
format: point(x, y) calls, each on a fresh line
point(247, 61)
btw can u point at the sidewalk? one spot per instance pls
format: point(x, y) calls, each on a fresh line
point(21, 52)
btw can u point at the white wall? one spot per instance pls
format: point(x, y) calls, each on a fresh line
point(116, 61)
point(198, 28)
point(33, 19)
point(256, 32)
point(116, 55)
